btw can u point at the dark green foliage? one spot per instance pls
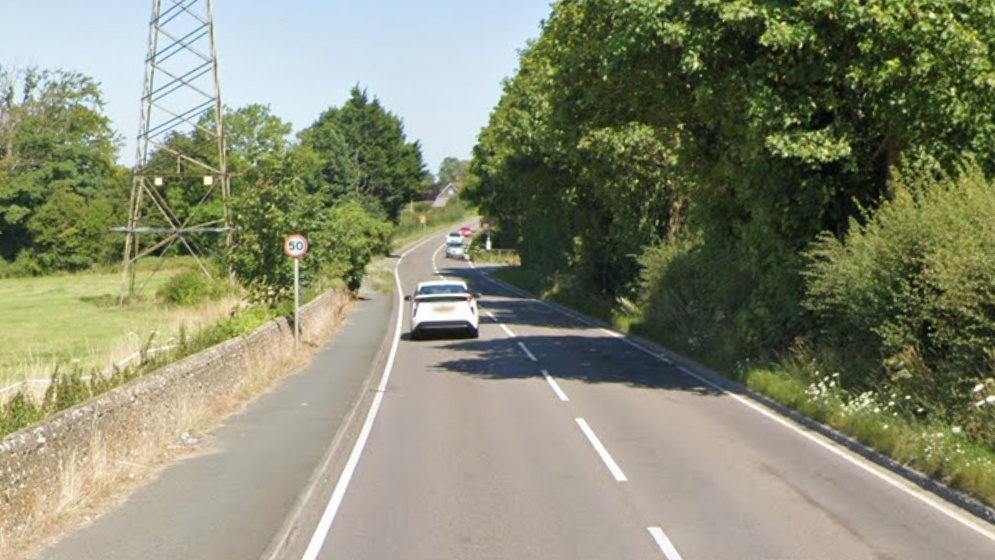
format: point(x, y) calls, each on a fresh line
point(190, 288)
point(349, 239)
point(755, 125)
point(918, 276)
point(275, 206)
point(57, 171)
point(73, 233)
point(362, 149)
point(19, 412)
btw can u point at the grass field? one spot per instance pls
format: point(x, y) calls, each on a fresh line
point(74, 320)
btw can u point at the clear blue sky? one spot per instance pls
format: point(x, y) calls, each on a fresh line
point(436, 64)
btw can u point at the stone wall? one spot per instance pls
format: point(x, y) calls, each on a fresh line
point(35, 462)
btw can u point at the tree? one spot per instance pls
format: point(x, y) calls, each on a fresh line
point(54, 138)
point(757, 124)
point(382, 164)
point(453, 170)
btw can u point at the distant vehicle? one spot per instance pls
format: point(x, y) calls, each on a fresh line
point(443, 305)
point(466, 231)
point(454, 236)
point(455, 251)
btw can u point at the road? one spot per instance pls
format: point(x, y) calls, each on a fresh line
point(547, 438)
point(552, 438)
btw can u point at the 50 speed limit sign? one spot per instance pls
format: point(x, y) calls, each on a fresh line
point(295, 246)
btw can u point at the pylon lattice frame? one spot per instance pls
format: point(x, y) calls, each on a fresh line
point(182, 86)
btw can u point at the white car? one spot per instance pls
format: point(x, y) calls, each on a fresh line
point(454, 237)
point(443, 305)
point(455, 250)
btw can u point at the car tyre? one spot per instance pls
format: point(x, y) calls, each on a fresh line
point(473, 333)
point(415, 335)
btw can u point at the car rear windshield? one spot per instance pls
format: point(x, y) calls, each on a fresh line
point(441, 298)
point(442, 289)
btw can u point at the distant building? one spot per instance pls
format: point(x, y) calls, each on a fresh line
point(449, 191)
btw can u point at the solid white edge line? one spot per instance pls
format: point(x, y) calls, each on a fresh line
point(895, 482)
point(612, 333)
point(527, 353)
point(556, 387)
point(507, 331)
point(892, 480)
point(602, 452)
point(335, 502)
point(664, 543)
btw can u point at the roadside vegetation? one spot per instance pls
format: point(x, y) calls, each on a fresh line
point(344, 182)
point(783, 193)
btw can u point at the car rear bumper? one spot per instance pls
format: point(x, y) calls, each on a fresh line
point(443, 326)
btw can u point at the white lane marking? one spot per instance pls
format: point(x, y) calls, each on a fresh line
point(890, 479)
point(664, 543)
point(491, 315)
point(612, 333)
point(602, 452)
point(435, 267)
point(556, 388)
point(527, 353)
point(886, 477)
point(507, 331)
point(335, 502)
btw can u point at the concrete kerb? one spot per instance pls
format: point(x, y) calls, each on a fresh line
point(950, 495)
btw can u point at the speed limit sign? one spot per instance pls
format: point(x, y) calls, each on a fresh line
point(295, 246)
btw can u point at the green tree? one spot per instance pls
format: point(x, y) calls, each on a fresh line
point(72, 233)
point(756, 124)
point(453, 170)
point(54, 138)
point(383, 164)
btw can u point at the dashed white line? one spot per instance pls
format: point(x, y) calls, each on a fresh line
point(612, 333)
point(664, 543)
point(602, 452)
point(435, 267)
point(556, 388)
point(491, 315)
point(507, 330)
point(527, 353)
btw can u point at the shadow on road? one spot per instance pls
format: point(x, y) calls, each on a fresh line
point(591, 359)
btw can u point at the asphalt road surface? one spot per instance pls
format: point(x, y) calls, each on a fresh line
point(546, 438)
point(550, 438)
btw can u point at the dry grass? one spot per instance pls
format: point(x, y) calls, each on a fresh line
point(91, 485)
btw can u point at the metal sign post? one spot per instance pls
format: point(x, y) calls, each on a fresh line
point(296, 246)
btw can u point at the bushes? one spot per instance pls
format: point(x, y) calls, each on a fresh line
point(691, 293)
point(189, 288)
point(918, 275)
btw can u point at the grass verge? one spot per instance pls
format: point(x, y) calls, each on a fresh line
point(74, 322)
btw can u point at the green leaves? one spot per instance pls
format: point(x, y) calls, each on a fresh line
point(54, 138)
point(363, 150)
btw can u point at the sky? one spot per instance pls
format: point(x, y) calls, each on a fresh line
point(436, 64)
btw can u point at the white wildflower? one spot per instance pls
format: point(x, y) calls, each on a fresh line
point(956, 429)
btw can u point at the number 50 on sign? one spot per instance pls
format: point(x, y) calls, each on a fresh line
point(295, 246)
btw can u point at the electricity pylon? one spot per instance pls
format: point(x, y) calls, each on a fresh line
point(181, 160)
